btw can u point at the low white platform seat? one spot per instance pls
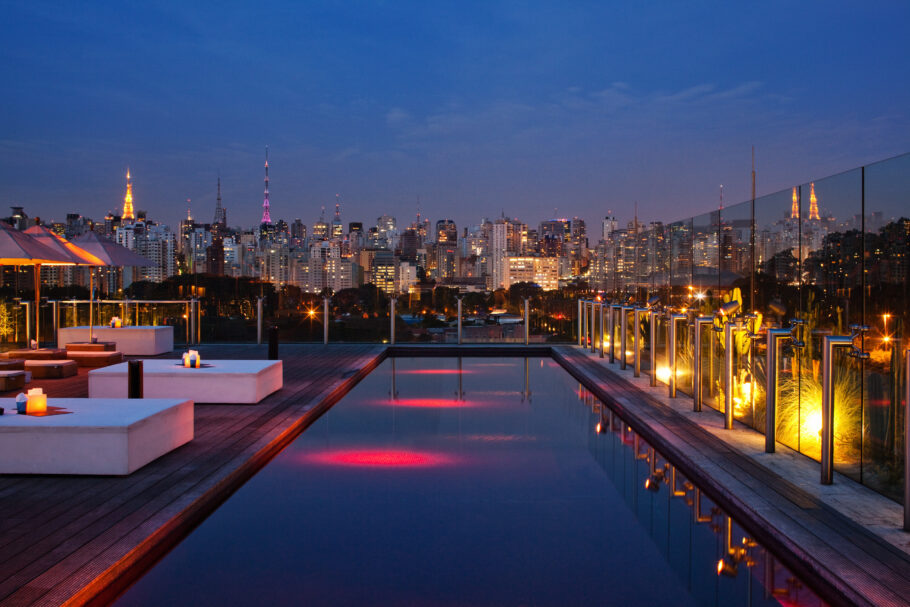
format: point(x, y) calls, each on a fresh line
point(219, 381)
point(95, 359)
point(132, 341)
point(92, 436)
point(51, 369)
point(11, 380)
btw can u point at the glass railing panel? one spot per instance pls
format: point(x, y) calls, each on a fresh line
point(777, 228)
point(705, 250)
point(886, 221)
point(680, 239)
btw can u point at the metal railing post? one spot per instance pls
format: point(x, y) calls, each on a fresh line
point(636, 342)
point(623, 335)
point(198, 322)
point(527, 322)
point(325, 320)
point(593, 325)
point(671, 351)
point(603, 337)
point(612, 327)
point(580, 324)
point(584, 323)
point(259, 321)
point(459, 322)
point(829, 344)
point(697, 365)
point(392, 302)
point(772, 361)
point(730, 328)
point(652, 344)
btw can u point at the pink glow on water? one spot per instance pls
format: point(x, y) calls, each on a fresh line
point(379, 458)
point(429, 403)
point(434, 372)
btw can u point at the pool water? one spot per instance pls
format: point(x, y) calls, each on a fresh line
point(468, 481)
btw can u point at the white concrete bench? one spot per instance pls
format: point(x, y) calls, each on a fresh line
point(132, 341)
point(100, 436)
point(223, 382)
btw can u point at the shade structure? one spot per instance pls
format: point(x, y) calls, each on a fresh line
point(111, 254)
point(21, 249)
point(65, 249)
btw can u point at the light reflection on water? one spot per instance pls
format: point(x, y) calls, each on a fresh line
point(509, 499)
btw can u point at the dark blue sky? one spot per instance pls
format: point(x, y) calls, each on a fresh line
point(475, 107)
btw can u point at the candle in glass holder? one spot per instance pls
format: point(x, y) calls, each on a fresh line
point(37, 401)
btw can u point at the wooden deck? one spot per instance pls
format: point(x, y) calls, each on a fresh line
point(842, 560)
point(78, 540)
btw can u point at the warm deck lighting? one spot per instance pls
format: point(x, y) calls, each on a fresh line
point(663, 374)
point(727, 568)
point(814, 423)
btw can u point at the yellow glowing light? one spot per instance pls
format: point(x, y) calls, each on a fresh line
point(699, 296)
point(814, 423)
point(746, 390)
point(598, 428)
point(663, 374)
point(886, 339)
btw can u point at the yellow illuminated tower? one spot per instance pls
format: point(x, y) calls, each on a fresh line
point(813, 202)
point(794, 210)
point(128, 199)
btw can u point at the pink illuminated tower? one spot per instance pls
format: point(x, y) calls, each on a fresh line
point(266, 218)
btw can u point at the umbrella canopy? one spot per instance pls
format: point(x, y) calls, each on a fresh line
point(111, 253)
point(63, 247)
point(18, 249)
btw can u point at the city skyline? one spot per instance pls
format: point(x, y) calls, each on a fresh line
point(505, 108)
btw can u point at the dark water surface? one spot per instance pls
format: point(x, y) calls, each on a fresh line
point(477, 482)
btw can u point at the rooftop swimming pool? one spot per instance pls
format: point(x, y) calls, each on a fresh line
point(479, 481)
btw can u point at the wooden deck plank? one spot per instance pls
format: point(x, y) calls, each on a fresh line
point(89, 524)
point(856, 566)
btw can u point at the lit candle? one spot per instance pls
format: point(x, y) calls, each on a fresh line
point(37, 401)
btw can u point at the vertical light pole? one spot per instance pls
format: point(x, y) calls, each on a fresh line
point(603, 306)
point(611, 325)
point(527, 323)
point(392, 302)
point(907, 447)
point(325, 320)
point(459, 320)
point(259, 320)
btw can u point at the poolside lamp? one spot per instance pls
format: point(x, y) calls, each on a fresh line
point(729, 309)
point(37, 401)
